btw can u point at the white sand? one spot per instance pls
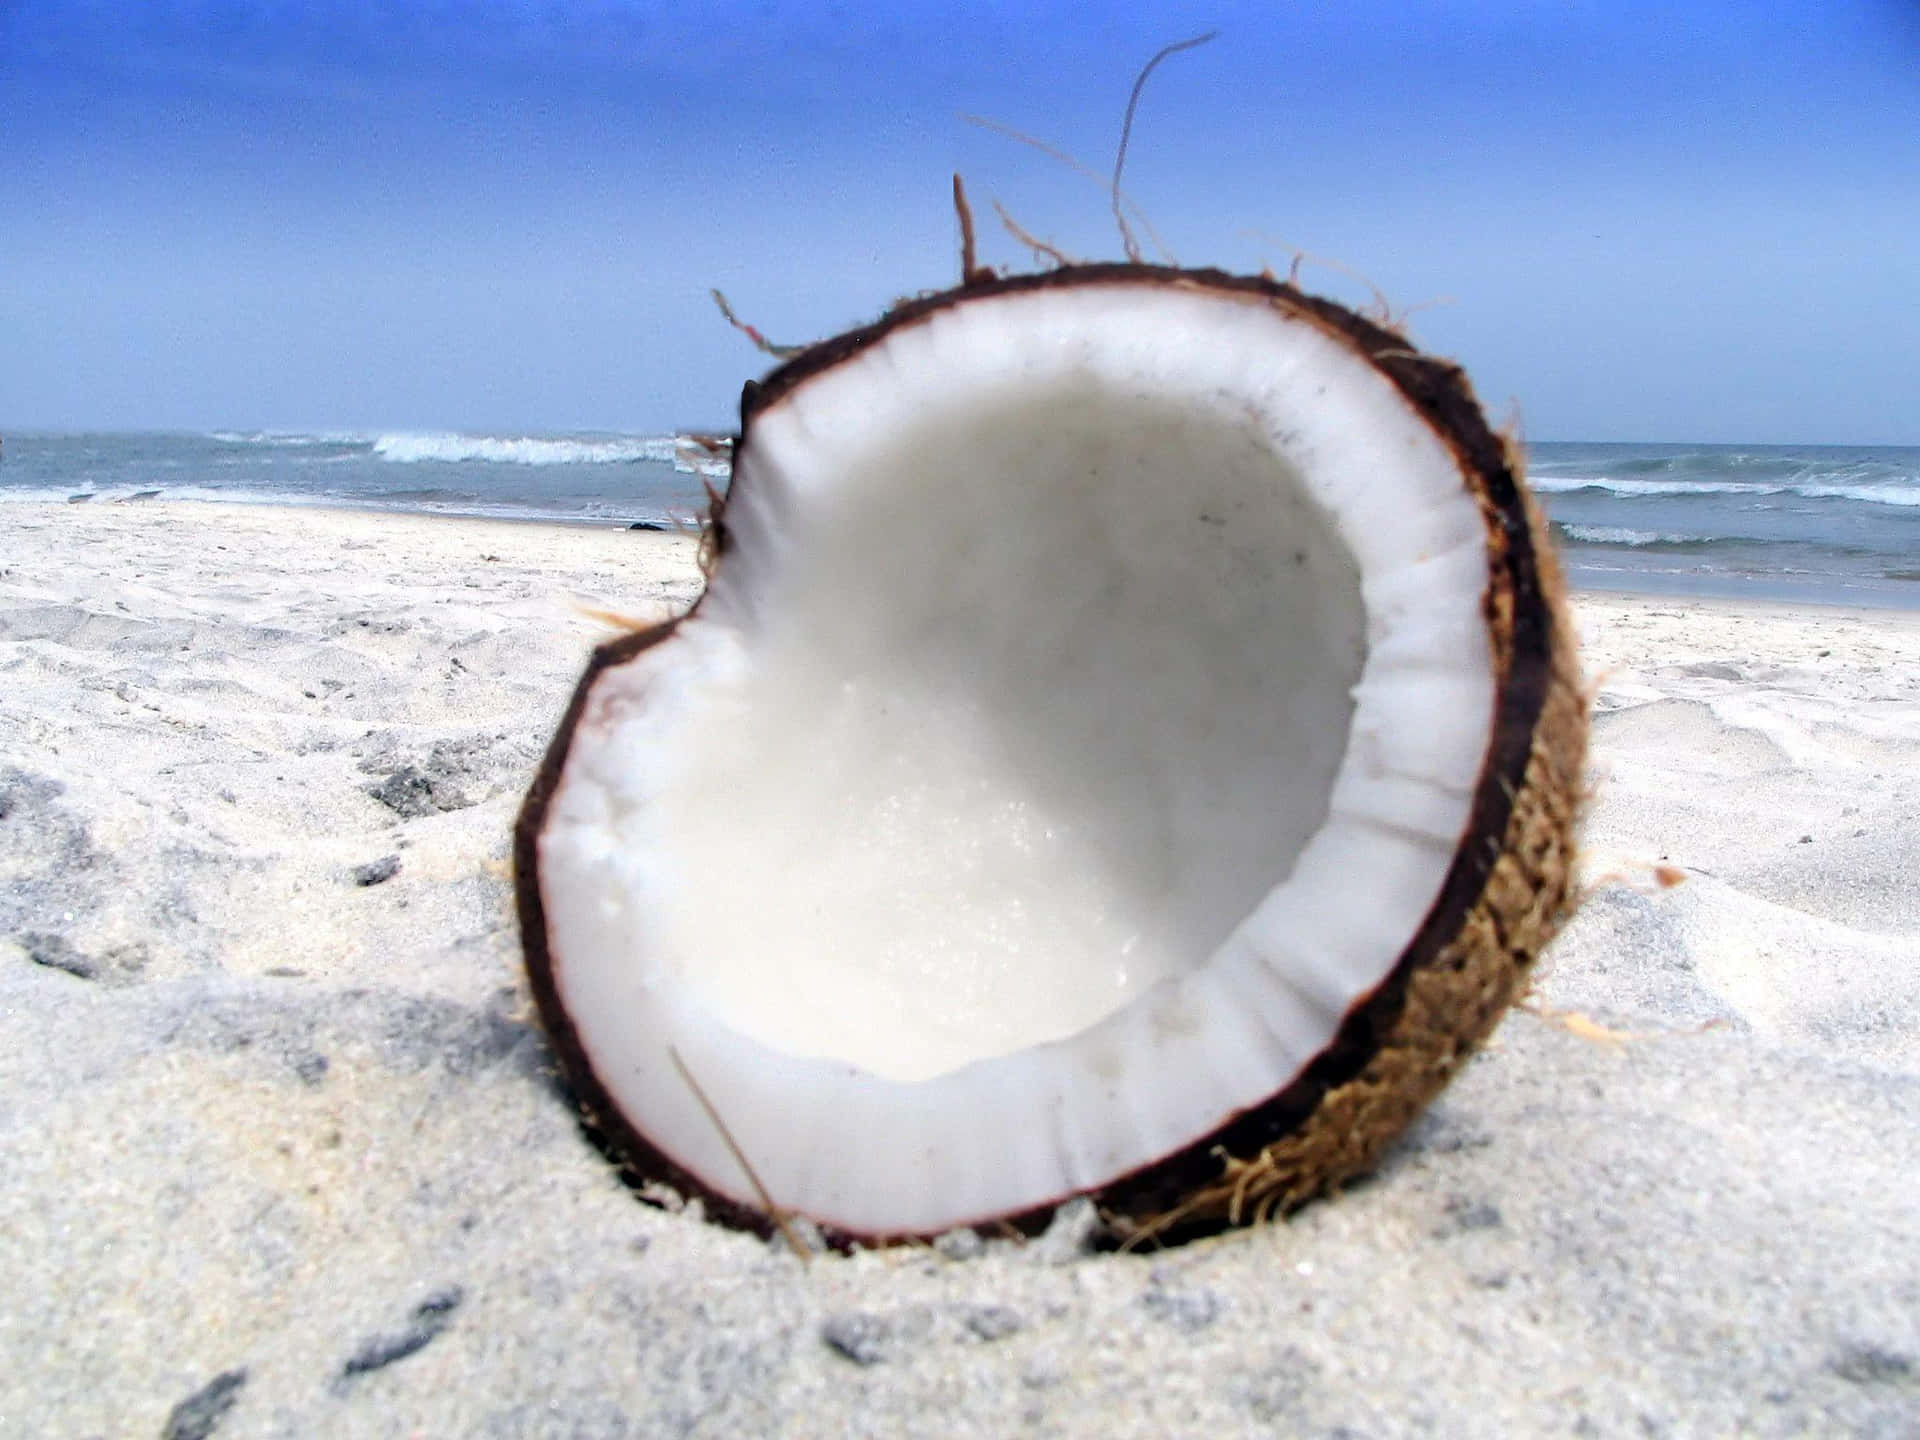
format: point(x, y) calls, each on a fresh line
point(281, 1155)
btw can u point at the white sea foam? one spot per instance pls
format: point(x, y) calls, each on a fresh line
point(411, 449)
point(672, 517)
point(1890, 493)
point(286, 440)
point(1620, 535)
point(1567, 484)
point(1869, 494)
point(90, 493)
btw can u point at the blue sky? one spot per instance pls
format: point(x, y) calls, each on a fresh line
point(1646, 221)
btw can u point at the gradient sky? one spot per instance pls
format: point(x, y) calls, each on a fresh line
point(1671, 221)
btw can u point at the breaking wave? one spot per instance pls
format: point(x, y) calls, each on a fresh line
point(412, 449)
point(285, 440)
point(1635, 539)
point(1903, 495)
point(1900, 488)
point(1569, 484)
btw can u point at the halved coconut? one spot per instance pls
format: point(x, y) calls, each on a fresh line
point(1128, 745)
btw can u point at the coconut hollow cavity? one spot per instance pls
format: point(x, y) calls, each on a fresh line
point(1128, 746)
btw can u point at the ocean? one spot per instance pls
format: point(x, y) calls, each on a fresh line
point(1819, 524)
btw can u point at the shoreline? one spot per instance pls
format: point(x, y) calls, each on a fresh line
point(1761, 591)
point(1899, 616)
point(1655, 584)
point(283, 1142)
point(320, 504)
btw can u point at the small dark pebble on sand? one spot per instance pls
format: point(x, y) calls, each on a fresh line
point(57, 953)
point(993, 1322)
point(1464, 1214)
point(377, 872)
point(430, 1317)
point(860, 1337)
point(411, 793)
point(1870, 1365)
point(200, 1414)
point(116, 965)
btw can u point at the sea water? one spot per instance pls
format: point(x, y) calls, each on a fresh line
point(1827, 524)
point(608, 478)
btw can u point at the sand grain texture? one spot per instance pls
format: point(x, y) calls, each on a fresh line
point(284, 1156)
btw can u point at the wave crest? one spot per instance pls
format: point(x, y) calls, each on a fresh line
point(1635, 539)
point(1567, 484)
point(413, 449)
point(1904, 495)
point(1868, 494)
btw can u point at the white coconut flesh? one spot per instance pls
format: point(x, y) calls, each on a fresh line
point(1081, 722)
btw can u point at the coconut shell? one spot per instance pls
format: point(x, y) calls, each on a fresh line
point(1506, 892)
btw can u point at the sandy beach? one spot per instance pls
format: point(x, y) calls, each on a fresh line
point(284, 1155)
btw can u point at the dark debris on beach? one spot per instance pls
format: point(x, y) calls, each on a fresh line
point(200, 1414)
point(430, 1317)
point(376, 872)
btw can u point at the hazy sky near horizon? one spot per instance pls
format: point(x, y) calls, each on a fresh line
point(1645, 220)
